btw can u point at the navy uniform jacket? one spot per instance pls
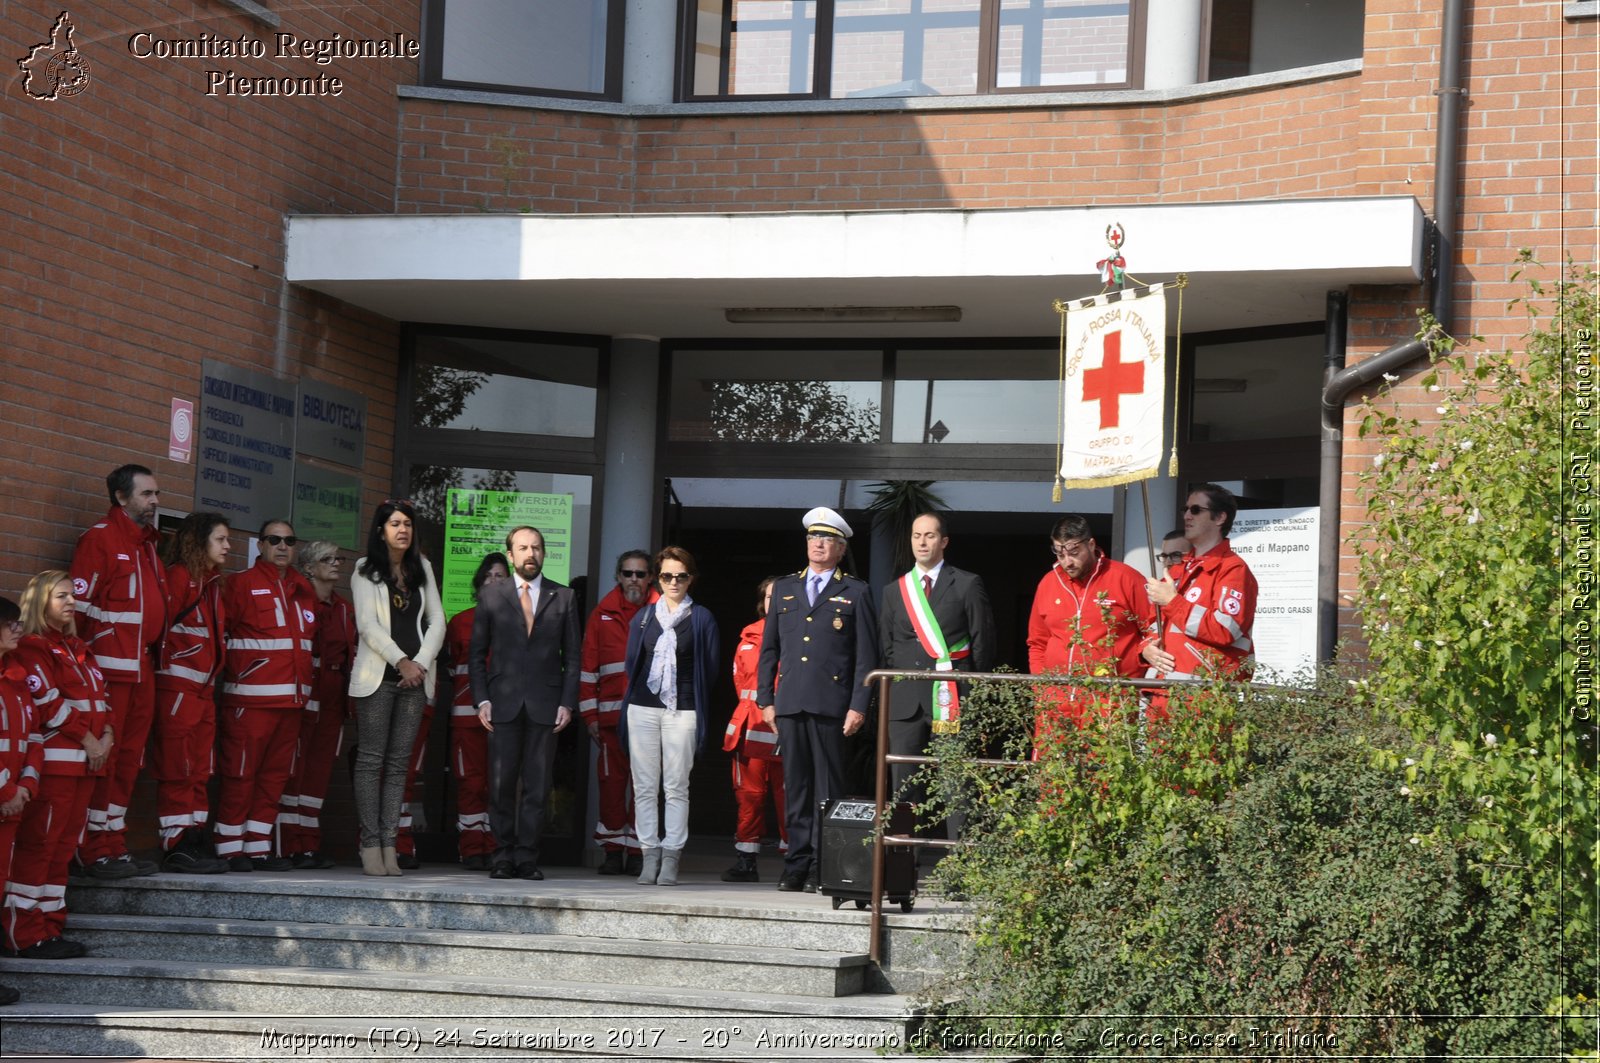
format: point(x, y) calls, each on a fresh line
point(818, 658)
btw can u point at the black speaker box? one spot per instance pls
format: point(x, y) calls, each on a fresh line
point(845, 853)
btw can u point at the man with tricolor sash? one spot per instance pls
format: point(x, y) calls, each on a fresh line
point(936, 617)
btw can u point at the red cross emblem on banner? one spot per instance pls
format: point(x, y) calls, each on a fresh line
point(1113, 379)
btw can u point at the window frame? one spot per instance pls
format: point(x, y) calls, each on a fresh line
point(433, 23)
point(822, 60)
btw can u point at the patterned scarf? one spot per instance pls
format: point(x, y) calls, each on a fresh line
point(663, 677)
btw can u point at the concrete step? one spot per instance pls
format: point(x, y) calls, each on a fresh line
point(756, 916)
point(78, 1030)
point(530, 957)
point(425, 1001)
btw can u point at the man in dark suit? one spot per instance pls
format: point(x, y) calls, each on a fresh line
point(527, 627)
point(819, 644)
point(935, 617)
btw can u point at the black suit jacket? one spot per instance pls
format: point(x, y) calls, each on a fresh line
point(961, 605)
point(512, 669)
point(821, 653)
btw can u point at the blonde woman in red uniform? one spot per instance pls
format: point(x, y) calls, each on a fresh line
point(20, 757)
point(72, 716)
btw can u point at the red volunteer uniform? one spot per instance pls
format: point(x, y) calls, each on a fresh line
point(183, 754)
point(1208, 625)
point(469, 744)
point(21, 755)
point(69, 702)
point(266, 682)
point(120, 586)
point(321, 727)
point(602, 682)
point(757, 764)
point(1090, 627)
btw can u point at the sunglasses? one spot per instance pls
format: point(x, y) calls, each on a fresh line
point(1195, 511)
point(674, 577)
point(400, 503)
point(1170, 559)
point(279, 540)
point(635, 573)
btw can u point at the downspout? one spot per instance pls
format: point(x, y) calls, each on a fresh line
point(1340, 382)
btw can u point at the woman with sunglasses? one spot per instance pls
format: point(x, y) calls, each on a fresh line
point(400, 622)
point(672, 662)
point(72, 717)
point(183, 756)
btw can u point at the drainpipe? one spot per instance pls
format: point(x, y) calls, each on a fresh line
point(1341, 382)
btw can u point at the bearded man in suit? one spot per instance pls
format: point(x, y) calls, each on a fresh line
point(935, 617)
point(524, 666)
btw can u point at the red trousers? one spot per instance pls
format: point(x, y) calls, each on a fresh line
point(51, 827)
point(133, 707)
point(257, 757)
point(471, 765)
point(403, 842)
point(614, 829)
point(753, 778)
point(300, 811)
point(183, 757)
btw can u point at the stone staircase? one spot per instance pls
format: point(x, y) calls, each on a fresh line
point(447, 964)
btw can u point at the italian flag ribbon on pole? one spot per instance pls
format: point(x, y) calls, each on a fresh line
point(946, 702)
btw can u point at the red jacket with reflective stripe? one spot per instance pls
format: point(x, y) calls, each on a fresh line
point(1208, 625)
point(458, 643)
point(191, 654)
point(272, 624)
point(333, 652)
point(1096, 627)
point(21, 752)
point(121, 591)
point(602, 681)
point(747, 732)
point(69, 699)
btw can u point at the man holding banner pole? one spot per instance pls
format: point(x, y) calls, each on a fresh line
point(935, 617)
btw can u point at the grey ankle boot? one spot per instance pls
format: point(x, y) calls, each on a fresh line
point(652, 867)
point(669, 867)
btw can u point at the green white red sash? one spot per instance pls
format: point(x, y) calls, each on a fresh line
point(946, 706)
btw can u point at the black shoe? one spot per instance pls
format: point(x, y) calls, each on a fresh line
point(743, 870)
point(476, 862)
point(272, 863)
point(793, 882)
point(106, 869)
point(530, 871)
point(408, 861)
point(812, 885)
point(8, 995)
point(241, 863)
point(634, 865)
point(190, 862)
point(612, 864)
point(53, 949)
point(146, 867)
point(503, 869)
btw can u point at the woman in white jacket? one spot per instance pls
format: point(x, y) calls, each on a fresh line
point(401, 624)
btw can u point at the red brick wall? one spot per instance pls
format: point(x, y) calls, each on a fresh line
point(144, 232)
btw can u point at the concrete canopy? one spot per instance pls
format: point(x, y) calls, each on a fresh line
point(675, 275)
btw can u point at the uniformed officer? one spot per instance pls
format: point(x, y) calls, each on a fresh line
point(820, 642)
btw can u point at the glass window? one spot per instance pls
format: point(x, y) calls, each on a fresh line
point(1256, 389)
point(771, 47)
point(1249, 37)
point(905, 47)
point(775, 396)
point(563, 47)
point(1062, 43)
point(495, 385)
point(975, 397)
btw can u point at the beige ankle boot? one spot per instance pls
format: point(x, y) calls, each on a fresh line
point(668, 875)
point(372, 860)
point(391, 861)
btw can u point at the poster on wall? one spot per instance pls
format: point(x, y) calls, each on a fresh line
point(327, 505)
point(1280, 546)
point(245, 469)
point(476, 523)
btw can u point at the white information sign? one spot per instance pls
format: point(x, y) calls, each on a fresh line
point(1280, 546)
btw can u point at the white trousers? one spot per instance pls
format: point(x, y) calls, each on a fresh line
point(660, 754)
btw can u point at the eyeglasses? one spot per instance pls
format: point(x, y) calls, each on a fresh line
point(812, 537)
point(277, 540)
point(1195, 511)
point(1063, 549)
point(14, 626)
point(674, 577)
point(1172, 558)
point(635, 573)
